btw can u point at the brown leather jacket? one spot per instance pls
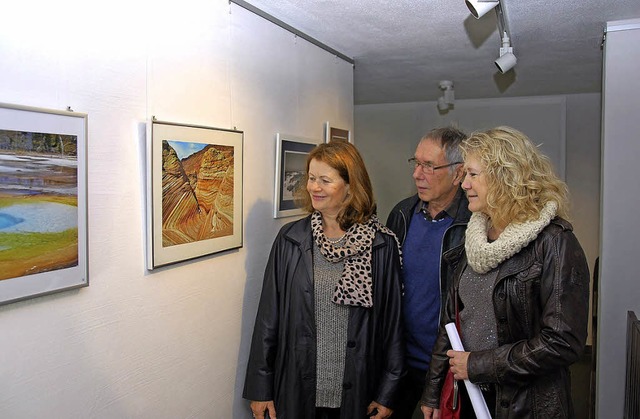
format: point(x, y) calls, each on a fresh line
point(540, 301)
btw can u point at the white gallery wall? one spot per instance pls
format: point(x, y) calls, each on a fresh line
point(173, 342)
point(567, 128)
point(619, 290)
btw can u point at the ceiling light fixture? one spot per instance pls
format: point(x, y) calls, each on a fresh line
point(479, 8)
point(507, 59)
point(448, 96)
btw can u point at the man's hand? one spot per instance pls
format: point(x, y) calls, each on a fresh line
point(458, 364)
point(430, 412)
point(382, 412)
point(258, 409)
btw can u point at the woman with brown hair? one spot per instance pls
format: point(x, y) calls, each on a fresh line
point(327, 341)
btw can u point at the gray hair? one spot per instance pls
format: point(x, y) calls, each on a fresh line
point(449, 139)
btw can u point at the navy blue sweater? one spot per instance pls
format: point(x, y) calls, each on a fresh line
point(421, 305)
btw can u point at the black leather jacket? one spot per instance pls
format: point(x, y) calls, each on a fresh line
point(400, 218)
point(282, 360)
point(541, 307)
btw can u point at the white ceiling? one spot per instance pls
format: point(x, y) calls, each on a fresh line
point(403, 48)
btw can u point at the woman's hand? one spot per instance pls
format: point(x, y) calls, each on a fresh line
point(458, 364)
point(430, 412)
point(258, 409)
point(381, 411)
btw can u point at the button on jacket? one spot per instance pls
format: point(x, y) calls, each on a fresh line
point(540, 301)
point(282, 358)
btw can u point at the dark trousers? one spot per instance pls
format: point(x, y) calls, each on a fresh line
point(466, 408)
point(327, 413)
point(411, 388)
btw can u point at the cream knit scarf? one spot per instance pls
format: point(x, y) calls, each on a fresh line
point(483, 256)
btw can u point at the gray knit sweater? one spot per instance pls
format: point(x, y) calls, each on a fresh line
point(331, 324)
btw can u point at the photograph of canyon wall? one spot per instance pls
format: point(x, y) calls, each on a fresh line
point(197, 192)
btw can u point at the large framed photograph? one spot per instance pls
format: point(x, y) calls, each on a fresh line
point(43, 202)
point(291, 163)
point(336, 134)
point(194, 196)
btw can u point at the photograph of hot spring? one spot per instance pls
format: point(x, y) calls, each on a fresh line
point(38, 203)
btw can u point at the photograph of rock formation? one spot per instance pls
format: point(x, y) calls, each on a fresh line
point(197, 192)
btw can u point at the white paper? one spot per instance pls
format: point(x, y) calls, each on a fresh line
point(477, 401)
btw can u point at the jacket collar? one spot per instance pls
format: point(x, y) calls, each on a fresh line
point(300, 233)
point(462, 214)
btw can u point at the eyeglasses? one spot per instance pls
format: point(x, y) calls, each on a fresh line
point(428, 168)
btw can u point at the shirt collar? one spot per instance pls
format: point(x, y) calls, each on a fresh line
point(450, 211)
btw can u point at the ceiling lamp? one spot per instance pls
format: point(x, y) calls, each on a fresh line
point(448, 97)
point(479, 8)
point(507, 60)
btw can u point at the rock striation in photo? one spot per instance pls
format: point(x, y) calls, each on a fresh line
point(197, 194)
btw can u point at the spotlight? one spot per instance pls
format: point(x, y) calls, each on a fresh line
point(448, 93)
point(479, 8)
point(442, 105)
point(507, 60)
point(446, 100)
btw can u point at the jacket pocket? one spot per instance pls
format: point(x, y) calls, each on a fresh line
point(530, 273)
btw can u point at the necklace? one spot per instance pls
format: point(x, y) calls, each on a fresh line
point(334, 241)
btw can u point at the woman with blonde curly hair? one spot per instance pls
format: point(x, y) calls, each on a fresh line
point(520, 288)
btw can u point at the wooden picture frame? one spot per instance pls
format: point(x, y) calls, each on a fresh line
point(43, 202)
point(194, 191)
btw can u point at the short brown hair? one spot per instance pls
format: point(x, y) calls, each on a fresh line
point(346, 160)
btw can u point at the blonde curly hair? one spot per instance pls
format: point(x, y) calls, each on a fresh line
point(520, 179)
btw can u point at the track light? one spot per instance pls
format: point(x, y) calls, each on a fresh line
point(448, 97)
point(442, 105)
point(507, 59)
point(479, 8)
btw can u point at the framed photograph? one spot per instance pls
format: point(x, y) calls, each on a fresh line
point(336, 134)
point(291, 163)
point(43, 202)
point(194, 196)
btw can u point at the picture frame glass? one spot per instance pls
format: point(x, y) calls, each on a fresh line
point(194, 192)
point(291, 160)
point(43, 202)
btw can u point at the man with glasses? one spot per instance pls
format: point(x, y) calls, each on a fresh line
point(428, 225)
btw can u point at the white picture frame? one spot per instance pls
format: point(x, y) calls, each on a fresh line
point(202, 214)
point(336, 134)
point(43, 202)
point(291, 158)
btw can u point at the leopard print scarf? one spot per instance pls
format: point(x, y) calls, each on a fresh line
point(355, 287)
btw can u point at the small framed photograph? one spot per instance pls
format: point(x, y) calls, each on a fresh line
point(194, 192)
point(43, 202)
point(291, 165)
point(336, 134)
